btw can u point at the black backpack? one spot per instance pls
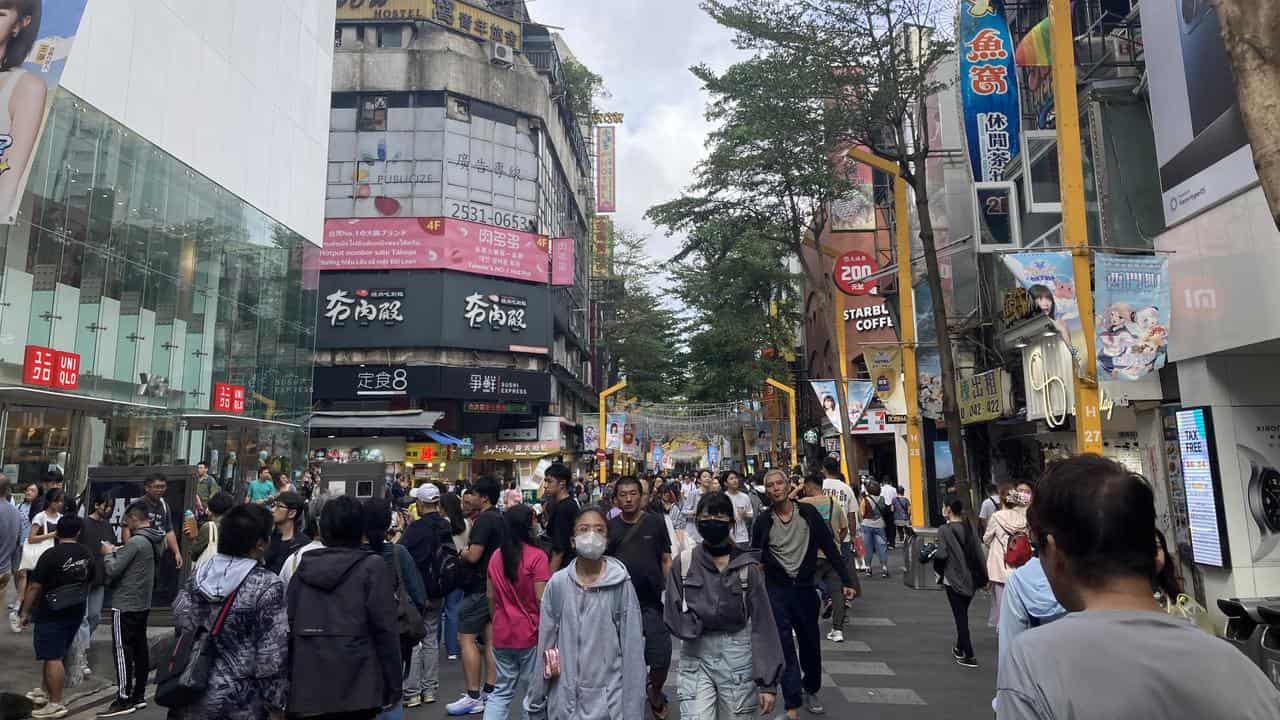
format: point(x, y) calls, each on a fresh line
point(443, 569)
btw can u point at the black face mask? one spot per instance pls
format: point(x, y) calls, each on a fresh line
point(714, 534)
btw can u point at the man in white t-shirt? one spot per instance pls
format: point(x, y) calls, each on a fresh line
point(989, 507)
point(888, 493)
point(743, 511)
point(840, 491)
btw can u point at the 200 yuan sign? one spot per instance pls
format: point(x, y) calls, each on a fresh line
point(851, 272)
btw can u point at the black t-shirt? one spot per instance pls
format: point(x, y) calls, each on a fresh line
point(62, 564)
point(280, 549)
point(158, 512)
point(486, 530)
point(96, 532)
point(640, 547)
point(560, 528)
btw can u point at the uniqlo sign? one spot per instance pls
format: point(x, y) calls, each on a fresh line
point(51, 368)
point(228, 398)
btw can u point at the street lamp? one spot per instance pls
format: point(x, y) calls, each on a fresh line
point(907, 327)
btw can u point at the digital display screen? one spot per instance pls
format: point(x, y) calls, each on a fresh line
point(1195, 446)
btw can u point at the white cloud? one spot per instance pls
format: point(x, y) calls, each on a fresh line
point(643, 49)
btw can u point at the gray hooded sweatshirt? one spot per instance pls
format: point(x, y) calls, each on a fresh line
point(131, 571)
point(598, 631)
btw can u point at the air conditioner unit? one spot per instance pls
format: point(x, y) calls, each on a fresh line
point(500, 54)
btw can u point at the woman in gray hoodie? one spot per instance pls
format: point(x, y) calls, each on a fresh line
point(731, 660)
point(590, 644)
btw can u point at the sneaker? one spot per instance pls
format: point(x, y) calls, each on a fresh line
point(118, 708)
point(428, 698)
point(139, 705)
point(465, 705)
point(955, 652)
point(15, 622)
point(814, 706)
point(967, 662)
point(52, 710)
point(86, 670)
point(413, 701)
point(38, 696)
point(836, 636)
point(885, 575)
point(827, 609)
point(453, 657)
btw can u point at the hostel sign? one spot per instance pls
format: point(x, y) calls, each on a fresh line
point(457, 16)
point(988, 88)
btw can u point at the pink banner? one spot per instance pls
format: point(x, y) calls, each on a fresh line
point(431, 244)
point(562, 261)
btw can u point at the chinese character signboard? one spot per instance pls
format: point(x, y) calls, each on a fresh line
point(228, 398)
point(984, 396)
point(562, 261)
point(485, 390)
point(988, 88)
point(47, 367)
point(433, 244)
point(601, 246)
point(46, 30)
point(606, 169)
point(1131, 297)
point(494, 384)
point(455, 15)
point(364, 307)
point(851, 271)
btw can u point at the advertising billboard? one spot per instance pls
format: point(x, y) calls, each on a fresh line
point(601, 246)
point(1051, 287)
point(478, 384)
point(32, 57)
point(988, 88)
point(855, 210)
point(606, 169)
point(1131, 294)
point(1201, 144)
point(455, 15)
point(562, 261)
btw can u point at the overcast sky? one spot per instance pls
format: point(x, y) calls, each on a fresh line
point(643, 49)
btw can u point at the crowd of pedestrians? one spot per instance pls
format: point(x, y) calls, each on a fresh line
point(342, 608)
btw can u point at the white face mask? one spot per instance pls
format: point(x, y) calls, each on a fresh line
point(589, 545)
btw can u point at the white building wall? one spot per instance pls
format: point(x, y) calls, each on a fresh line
point(238, 89)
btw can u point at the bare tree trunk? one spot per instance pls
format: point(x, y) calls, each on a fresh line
point(1251, 32)
point(950, 409)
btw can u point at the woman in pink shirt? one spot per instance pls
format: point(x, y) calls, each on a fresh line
point(518, 573)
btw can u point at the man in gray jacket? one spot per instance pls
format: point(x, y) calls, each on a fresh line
point(131, 576)
point(10, 535)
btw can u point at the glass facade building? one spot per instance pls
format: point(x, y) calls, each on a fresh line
point(163, 283)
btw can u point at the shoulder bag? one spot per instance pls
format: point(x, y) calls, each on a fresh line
point(408, 618)
point(183, 677)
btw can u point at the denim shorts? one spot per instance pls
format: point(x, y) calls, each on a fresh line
point(53, 639)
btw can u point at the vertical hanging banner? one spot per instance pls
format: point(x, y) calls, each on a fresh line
point(601, 246)
point(590, 432)
point(1131, 295)
point(884, 362)
point(860, 394)
point(613, 430)
point(606, 169)
point(826, 392)
point(988, 88)
point(32, 57)
point(929, 374)
point(562, 261)
point(656, 450)
point(1051, 285)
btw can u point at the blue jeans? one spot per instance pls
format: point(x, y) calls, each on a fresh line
point(449, 623)
point(877, 546)
point(514, 666)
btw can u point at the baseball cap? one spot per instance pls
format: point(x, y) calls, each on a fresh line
point(428, 493)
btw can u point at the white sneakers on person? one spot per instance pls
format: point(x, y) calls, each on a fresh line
point(465, 705)
point(52, 710)
point(836, 636)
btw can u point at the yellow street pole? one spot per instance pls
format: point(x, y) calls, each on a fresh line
point(604, 395)
point(1075, 233)
point(791, 406)
point(907, 323)
point(842, 388)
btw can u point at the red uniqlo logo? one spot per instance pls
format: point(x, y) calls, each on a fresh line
point(228, 398)
point(51, 368)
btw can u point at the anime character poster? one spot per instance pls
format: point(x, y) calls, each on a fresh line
point(826, 392)
point(1131, 297)
point(35, 41)
point(614, 423)
point(630, 443)
point(590, 432)
point(929, 381)
point(1048, 279)
point(860, 394)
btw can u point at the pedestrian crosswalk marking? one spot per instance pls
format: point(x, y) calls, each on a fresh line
point(844, 667)
point(870, 622)
point(882, 696)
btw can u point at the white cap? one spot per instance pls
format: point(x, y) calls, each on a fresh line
point(428, 493)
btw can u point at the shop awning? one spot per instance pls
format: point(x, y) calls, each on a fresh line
point(416, 420)
point(443, 438)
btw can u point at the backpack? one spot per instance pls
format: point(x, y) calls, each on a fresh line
point(183, 677)
point(686, 562)
point(444, 569)
point(1017, 549)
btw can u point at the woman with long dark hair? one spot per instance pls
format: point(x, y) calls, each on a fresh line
point(451, 504)
point(518, 573)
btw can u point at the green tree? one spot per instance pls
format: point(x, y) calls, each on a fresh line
point(639, 330)
point(740, 301)
point(584, 88)
point(825, 75)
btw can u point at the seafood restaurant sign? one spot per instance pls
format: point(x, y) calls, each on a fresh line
point(437, 244)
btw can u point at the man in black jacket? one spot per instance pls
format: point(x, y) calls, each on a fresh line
point(345, 658)
point(423, 539)
point(789, 536)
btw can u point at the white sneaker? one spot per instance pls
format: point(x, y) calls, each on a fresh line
point(15, 622)
point(52, 710)
point(836, 636)
point(38, 696)
point(465, 705)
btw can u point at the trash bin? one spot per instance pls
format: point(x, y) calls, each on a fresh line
point(920, 576)
point(1244, 623)
point(1269, 641)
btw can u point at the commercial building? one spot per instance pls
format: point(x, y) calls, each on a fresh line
point(454, 285)
point(153, 304)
